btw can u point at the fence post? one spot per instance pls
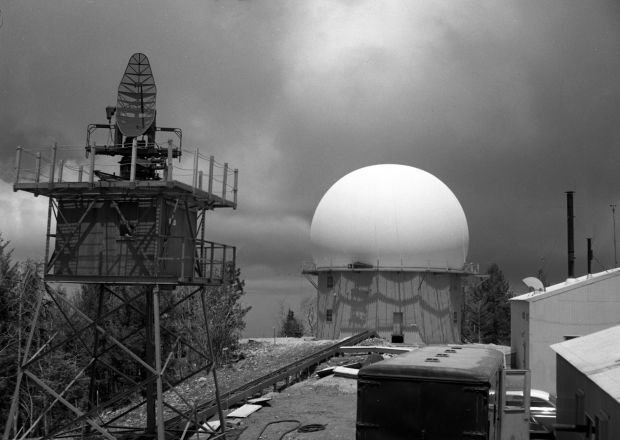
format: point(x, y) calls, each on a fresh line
point(62, 165)
point(169, 169)
point(37, 177)
point(18, 163)
point(93, 149)
point(235, 188)
point(211, 162)
point(53, 164)
point(224, 182)
point(134, 157)
point(195, 175)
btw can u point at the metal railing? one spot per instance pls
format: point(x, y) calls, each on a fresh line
point(63, 164)
point(311, 267)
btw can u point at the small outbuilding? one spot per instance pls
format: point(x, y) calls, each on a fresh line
point(575, 307)
point(588, 384)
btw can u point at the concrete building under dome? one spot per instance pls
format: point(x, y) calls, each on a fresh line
point(389, 247)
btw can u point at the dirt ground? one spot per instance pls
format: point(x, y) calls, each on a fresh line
point(329, 401)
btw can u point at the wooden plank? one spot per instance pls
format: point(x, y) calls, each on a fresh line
point(325, 371)
point(259, 400)
point(244, 410)
point(346, 372)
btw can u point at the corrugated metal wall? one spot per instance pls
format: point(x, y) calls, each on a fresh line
point(430, 304)
point(102, 245)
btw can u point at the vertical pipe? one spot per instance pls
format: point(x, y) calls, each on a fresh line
point(61, 165)
point(224, 181)
point(590, 256)
point(37, 177)
point(169, 169)
point(53, 164)
point(571, 233)
point(613, 217)
point(211, 163)
point(134, 158)
point(93, 149)
point(200, 175)
point(18, 163)
point(160, 391)
point(80, 173)
point(235, 188)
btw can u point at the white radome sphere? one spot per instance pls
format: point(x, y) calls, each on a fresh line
point(390, 216)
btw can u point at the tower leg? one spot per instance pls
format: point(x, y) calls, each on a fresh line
point(160, 393)
point(149, 357)
point(213, 360)
point(92, 391)
point(11, 419)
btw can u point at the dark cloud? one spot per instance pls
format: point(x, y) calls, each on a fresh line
point(510, 104)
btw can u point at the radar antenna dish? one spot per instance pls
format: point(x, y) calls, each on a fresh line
point(534, 284)
point(135, 107)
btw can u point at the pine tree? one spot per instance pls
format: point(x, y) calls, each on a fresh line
point(291, 327)
point(487, 310)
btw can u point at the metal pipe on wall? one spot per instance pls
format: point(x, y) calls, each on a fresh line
point(590, 256)
point(571, 233)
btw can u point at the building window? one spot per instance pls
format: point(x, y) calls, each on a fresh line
point(328, 315)
point(330, 281)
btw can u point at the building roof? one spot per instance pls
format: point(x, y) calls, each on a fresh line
point(596, 355)
point(440, 362)
point(568, 285)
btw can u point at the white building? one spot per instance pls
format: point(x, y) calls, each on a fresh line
point(572, 308)
point(588, 382)
point(389, 247)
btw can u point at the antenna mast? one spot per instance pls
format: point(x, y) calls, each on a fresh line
point(613, 217)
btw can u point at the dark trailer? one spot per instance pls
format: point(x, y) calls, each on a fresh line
point(433, 393)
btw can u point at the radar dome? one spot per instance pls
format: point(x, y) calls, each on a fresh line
point(390, 216)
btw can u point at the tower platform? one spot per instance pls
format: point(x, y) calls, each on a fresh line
point(106, 229)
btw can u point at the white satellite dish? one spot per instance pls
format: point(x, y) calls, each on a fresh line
point(534, 284)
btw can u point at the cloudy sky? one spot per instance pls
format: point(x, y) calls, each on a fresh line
point(510, 103)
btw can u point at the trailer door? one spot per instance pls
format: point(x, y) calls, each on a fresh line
point(515, 404)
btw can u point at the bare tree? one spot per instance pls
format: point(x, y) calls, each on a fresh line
point(308, 313)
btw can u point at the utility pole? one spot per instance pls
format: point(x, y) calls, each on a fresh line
point(613, 217)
